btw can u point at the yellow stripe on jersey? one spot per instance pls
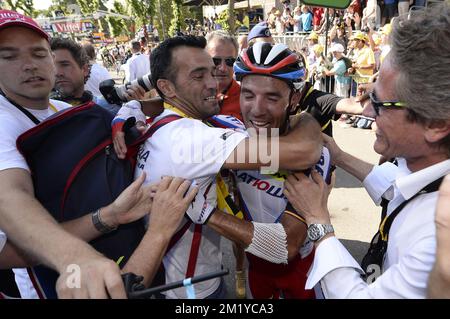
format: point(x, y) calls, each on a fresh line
point(225, 201)
point(53, 108)
point(279, 176)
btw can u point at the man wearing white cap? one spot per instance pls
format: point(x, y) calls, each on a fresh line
point(339, 70)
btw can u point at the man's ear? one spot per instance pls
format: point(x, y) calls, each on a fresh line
point(85, 69)
point(437, 130)
point(166, 87)
point(295, 99)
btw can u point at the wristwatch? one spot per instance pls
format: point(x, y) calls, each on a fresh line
point(317, 231)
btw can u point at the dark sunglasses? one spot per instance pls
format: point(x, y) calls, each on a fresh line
point(228, 61)
point(384, 104)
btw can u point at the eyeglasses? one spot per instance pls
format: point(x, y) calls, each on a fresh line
point(228, 61)
point(384, 104)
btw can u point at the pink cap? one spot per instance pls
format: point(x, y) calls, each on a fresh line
point(10, 18)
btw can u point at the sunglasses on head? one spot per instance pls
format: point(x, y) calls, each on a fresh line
point(228, 61)
point(377, 105)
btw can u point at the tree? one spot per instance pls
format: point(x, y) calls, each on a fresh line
point(231, 17)
point(88, 7)
point(143, 10)
point(118, 26)
point(224, 20)
point(175, 23)
point(25, 6)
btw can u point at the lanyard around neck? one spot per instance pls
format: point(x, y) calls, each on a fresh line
point(176, 110)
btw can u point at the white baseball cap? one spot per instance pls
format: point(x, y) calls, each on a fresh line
point(337, 47)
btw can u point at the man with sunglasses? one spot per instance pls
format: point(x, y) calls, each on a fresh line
point(410, 103)
point(223, 49)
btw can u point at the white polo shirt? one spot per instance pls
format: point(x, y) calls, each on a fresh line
point(411, 245)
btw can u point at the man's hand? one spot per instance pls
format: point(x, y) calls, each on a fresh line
point(170, 202)
point(99, 278)
point(128, 110)
point(135, 92)
point(132, 204)
point(305, 143)
point(333, 148)
point(363, 91)
point(308, 196)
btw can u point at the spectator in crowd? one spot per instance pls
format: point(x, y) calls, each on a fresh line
point(439, 282)
point(280, 26)
point(156, 34)
point(72, 69)
point(339, 70)
point(97, 73)
point(242, 42)
point(259, 32)
point(327, 18)
point(288, 21)
point(364, 61)
point(223, 49)
point(384, 45)
point(306, 19)
point(271, 19)
point(340, 37)
point(317, 17)
point(297, 20)
point(389, 11)
point(413, 127)
point(138, 65)
point(313, 40)
point(352, 16)
point(144, 46)
point(369, 18)
point(403, 7)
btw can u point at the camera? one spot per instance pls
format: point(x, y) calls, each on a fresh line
point(116, 94)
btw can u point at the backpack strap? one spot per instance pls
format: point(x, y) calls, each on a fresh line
point(22, 109)
point(195, 246)
point(155, 126)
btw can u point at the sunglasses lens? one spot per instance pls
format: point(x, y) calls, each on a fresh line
point(229, 62)
point(217, 61)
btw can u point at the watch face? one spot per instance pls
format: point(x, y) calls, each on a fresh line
point(314, 232)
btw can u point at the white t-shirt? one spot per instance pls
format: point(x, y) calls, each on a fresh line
point(98, 74)
point(12, 124)
point(190, 149)
point(137, 66)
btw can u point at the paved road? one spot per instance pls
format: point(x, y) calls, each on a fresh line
point(354, 216)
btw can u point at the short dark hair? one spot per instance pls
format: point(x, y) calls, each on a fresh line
point(90, 50)
point(135, 45)
point(75, 49)
point(161, 57)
